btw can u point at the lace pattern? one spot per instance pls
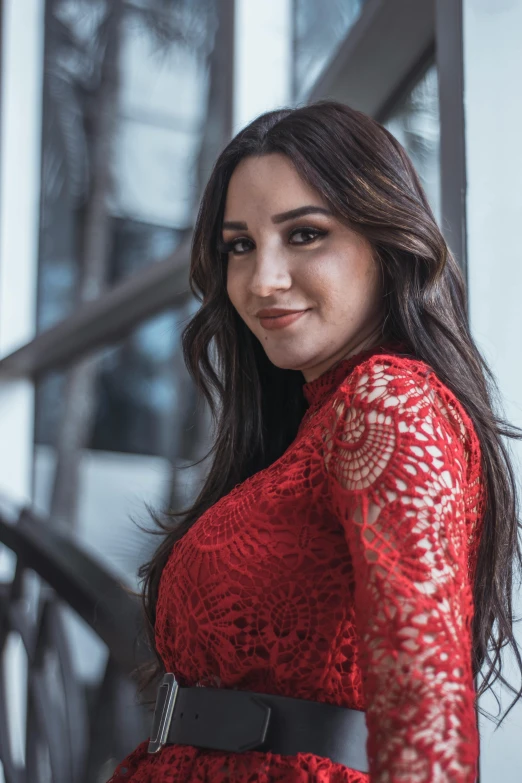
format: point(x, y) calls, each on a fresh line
point(398, 459)
point(341, 573)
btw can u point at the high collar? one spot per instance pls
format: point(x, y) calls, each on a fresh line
point(319, 389)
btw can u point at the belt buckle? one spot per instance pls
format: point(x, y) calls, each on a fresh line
point(165, 703)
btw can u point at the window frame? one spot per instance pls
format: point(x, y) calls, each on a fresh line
point(405, 34)
point(161, 285)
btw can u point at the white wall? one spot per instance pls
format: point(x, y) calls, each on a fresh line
point(493, 118)
point(20, 141)
point(262, 58)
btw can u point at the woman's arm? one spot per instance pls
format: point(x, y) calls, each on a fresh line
point(397, 470)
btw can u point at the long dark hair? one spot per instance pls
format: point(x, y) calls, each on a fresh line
point(367, 179)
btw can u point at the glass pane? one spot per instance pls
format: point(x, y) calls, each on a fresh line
point(415, 122)
point(119, 439)
point(319, 27)
point(136, 388)
point(125, 102)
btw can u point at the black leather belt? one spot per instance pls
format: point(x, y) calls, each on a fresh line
point(236, 721)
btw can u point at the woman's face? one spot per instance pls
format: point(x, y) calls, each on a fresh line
point(287, 251)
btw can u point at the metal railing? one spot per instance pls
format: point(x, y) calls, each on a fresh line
point(75, 733)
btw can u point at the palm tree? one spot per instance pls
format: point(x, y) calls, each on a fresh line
point(89, 96)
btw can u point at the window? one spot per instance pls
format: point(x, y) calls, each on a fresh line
point(318, 29)
point(125, 104)
point(415, 122)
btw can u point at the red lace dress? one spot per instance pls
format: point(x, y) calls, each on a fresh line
point(341, 573)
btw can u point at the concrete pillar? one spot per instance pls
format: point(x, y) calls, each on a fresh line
point(492, 70)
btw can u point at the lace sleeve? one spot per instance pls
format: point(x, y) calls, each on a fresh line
point(396, 463)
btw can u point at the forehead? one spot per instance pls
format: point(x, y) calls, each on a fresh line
point(268, 183)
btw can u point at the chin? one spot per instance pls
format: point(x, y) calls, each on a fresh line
point(288, 362)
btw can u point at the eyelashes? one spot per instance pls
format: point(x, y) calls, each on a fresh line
point(229, 247)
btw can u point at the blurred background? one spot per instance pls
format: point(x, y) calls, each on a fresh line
point(112, 113)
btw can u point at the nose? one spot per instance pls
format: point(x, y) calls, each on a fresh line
point(269, 273)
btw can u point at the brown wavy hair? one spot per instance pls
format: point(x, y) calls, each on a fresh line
point(368, 181)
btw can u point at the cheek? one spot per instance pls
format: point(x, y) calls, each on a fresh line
point(349, 288)
point(237, 294)
point(338, 273)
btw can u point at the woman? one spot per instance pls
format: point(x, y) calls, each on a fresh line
point(352, 544)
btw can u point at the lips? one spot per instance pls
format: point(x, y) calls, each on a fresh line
point(278, 319)
point(275, 312)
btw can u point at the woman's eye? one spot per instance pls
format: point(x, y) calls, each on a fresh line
point(236, 246)
point(305, 235)
point(299, 236)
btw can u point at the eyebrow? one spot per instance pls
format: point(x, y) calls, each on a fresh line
point(235, 225)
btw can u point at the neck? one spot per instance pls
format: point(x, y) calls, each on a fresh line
point(373, 338)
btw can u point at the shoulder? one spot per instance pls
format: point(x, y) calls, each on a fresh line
point(403, 392)
point(388, 377)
